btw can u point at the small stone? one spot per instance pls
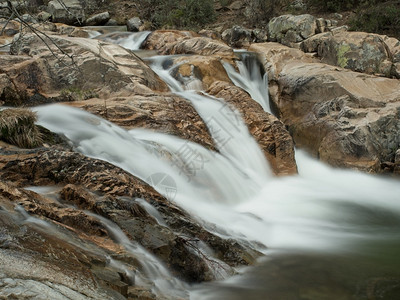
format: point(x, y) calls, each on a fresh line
point(44, 16)
point(99, 19)
point(134, 24)
point(111, 22)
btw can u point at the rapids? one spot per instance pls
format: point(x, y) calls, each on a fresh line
point(330, 233)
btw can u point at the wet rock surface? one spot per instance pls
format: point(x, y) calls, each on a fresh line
point(84, 184)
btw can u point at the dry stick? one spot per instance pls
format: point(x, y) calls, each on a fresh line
point(38, 33)
point(189, 242)
point(8, 21)
point(67, 10)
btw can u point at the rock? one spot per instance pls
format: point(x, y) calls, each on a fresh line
point(160, 40)
point(165, 113)
point(289, 29)
point(344, 118)
point(237, 37)
point(69, 12)
point(98, 19)
point(198, 45)
point(313, 43)
point(397, 163)
point(357, 51)
point(112, 195)
point(260, 35)
point(54, 259)
point(28, 19)
point(321, 25)
point(199, 72)
point(212, 34)
point(44, 16)
point(394, 50)
point(134, 24)
point(275, 56)
point(98, 68)
point(111, 22)
point(268, 131)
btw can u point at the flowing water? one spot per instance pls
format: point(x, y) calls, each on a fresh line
point(331, 233)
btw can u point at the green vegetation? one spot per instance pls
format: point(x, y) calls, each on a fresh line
point(17, 127)
point(77, 94)
point(384, 19)
point(178, 13)
point(335, 5)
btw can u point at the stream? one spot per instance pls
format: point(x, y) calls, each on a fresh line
point(330, 233)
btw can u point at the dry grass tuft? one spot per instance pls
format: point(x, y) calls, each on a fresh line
point(17, 127)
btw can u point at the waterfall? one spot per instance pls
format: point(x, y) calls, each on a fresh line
point(323, 212)
point(128, 40)
point(250, 77)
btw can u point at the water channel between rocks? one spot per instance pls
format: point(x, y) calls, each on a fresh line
point(330, 233)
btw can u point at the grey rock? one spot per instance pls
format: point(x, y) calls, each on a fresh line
point(69, 12)
point(111, 22)
point(134, 24)
point(302, 26)
point(260, 35)
point(98, 19)
point(237, 36)
point(44, 16)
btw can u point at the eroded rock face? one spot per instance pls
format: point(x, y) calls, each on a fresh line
point(268, 131)
point(97, 186)
point(97, 69)
point(166, 113)
point(347, 119)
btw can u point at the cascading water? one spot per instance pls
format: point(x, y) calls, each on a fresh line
point(250, 77)
point(342, 225)
point(128, 40)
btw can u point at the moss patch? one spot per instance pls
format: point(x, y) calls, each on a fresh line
point(341, 55)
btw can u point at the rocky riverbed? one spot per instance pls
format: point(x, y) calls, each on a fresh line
point(334, 93)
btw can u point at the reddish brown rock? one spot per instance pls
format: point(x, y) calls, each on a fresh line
point(267, 130)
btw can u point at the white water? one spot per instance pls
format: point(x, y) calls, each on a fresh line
point(250, 78)
point(128, 40)
point(320, 210)
point(156, 274)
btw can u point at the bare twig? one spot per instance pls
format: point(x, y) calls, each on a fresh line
point(41, 35)
point(68, 11)
point(191, 243)
point(5, 25)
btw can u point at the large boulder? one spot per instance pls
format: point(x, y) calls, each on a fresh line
point(199, 72)
point(65, 66)
point(290, 29)
point(200, 46)
point(357, 51)
point(67, 11)
point(160, 40)
point(346, 118)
